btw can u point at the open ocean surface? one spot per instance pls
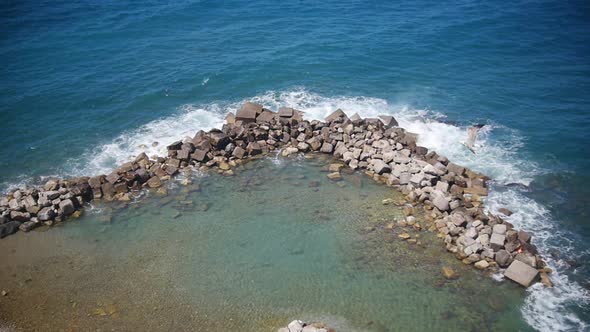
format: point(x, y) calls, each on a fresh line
point(85, 86)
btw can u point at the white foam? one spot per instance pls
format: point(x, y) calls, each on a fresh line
point(104, 158)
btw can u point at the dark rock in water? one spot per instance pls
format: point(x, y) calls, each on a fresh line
point(142, 175)
point(46, 213)
point(20, 216)
point(28, 226)
point(248, 112)
point(505, 211)
point(9, 228)
point(174, 146)
point(218, 139)
point(337, 115)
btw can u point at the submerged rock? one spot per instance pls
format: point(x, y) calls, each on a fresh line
point(449, 273)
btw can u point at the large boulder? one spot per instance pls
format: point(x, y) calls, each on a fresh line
point(218, 139)
point(9, 228)
point(388, 121)
point(200, 155)
point(440, 202)
point(286, 112)
point(154, 182)
point(521, 273)
point(46, 213)
point(66, 207)
point(266, 117)
point(327, 148)
point(337, 115)
point(248, 112)
point(239, 152)
point(380, 167)
point(497, 241)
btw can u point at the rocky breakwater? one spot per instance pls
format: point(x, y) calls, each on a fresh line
point(450, 194)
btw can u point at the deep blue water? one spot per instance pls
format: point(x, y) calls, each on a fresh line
point(82, 84)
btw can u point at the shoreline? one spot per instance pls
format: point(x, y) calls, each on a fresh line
point(450, 194)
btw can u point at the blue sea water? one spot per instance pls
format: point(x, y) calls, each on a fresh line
point(87, 85)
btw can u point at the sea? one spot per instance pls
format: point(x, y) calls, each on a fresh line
point(88, 85)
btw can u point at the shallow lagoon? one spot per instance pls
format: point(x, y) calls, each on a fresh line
point(276, 242)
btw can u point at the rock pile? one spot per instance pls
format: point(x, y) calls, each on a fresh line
point(451, 194)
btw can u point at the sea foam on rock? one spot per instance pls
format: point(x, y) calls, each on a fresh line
point(451, 194)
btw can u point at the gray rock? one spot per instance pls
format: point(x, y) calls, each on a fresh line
point(497, 241)
point(442, 186)
point(239, 152)
point(46, 213)
point(20, 216)
point(66, 207)
point(521, 273)
point(471, 233)
point(248, 112)
point(200, 155)
point(440, 202)
point(14, 204)
point(327, 148)
point(380, 166)
point(266, 116)
point(503, 258)
point(28, 226)
point(527, 258)
point(404, 178)
point(458, 170)
point(499, 229)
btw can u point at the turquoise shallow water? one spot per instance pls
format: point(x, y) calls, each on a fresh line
point(277, 242)
point(87, 85)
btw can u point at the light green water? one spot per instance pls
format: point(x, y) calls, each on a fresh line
point(276, 242)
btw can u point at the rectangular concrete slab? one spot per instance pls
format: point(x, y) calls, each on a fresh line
point(521, 273)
